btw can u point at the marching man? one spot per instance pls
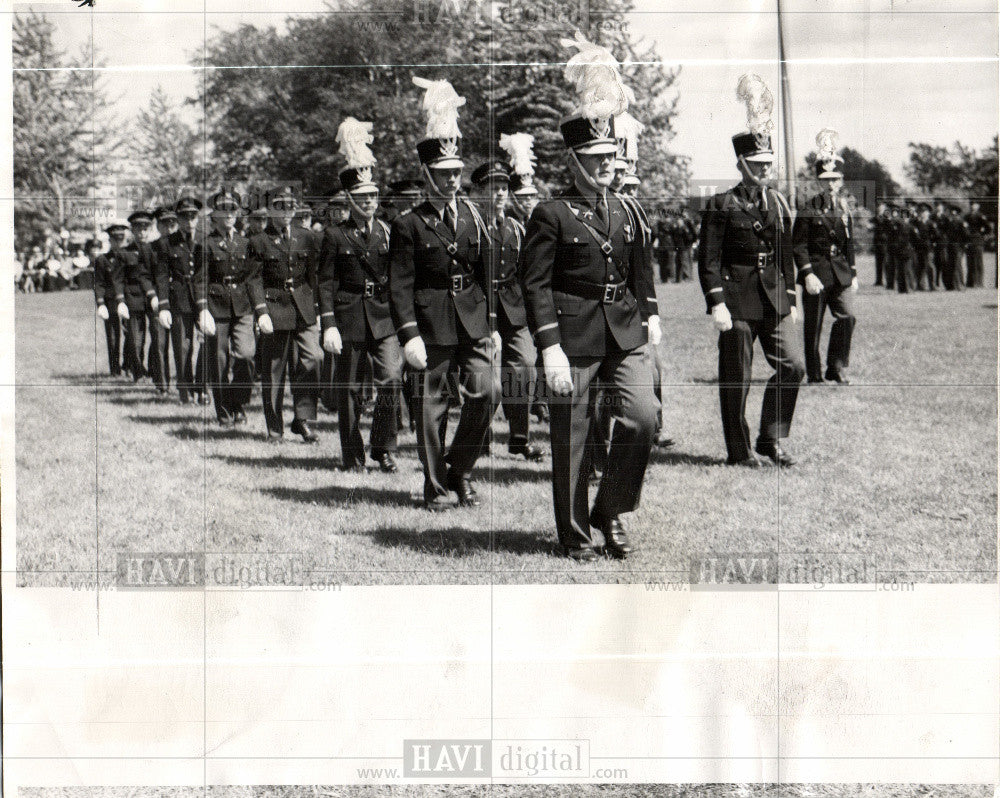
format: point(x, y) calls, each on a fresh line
point(583, 276)
point(438, 301)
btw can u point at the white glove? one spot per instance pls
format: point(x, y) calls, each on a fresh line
point(557, 370)
point(265, 324)
point(102, 311)
point(415, 353)
point(123, 311)
point(332, 342)
point(813, 284)
point(795, 314)
point(166, 319)
point(854, 285)
point(653, 330)
point(721, 318)
point(154, 303)
point(497, 341)
point(206, 322)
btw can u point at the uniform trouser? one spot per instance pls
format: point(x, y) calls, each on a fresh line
point(974, 253)
point(599, 434)
point(517, 381)
point(162, 341)
point(838, 354)
point(191, 366)
point(468, 366)
point(656, 367)
point(780, 345)
point(955, 276)
point(881, 256)
point(387, 368)
point(136, 341)
point(326, 378)
point(626, 381)
point(903, 271)
point(665, 258)
point(230, 364)
point(295, 352)
point(113, 334)
point(683, 263)
point(923, 270)
point(940, 264)
point(890, 269)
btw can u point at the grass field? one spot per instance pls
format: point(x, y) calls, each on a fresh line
point(535, 791)
point(897, 472)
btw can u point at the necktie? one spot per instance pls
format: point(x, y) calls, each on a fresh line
point(602, 211)
point(449, 217)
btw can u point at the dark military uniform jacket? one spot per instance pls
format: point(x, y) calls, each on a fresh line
point(284, 277)
point(745, 256)
point(923, 234)
point(901, 238)
point(583, 281)
point(978, 227)
point(223, 276)
point(880, 233)
point(106, 291)
point(176, 269)
point(438, 277)
point(958, 230)
point(683, 232)
point(132, 271)
point(823, 243)
point(507, 298)
point(645, 237)
point(354, 281)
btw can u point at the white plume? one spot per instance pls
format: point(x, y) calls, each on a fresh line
point(826, 144)
point(354, 137)
point(519, 148)
point(596, 75)
point(441, 104)
point(759, 102)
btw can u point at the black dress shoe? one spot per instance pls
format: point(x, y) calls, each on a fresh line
point(616, 543)
point(750, 461)
point(540, 412)
point(438, 504)
point(776, 453)
point(838, 378)
point(240, 418)
point(300, 427)
point(386, 462)
point(226, 423)
point(462, 485)
point(663, 441)
point(583, 554)
point(528, 451)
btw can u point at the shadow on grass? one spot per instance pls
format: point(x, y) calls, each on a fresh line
point(211, 432)
point(455, 541)
point(674, 457)
point(342, 494)
point(271, 460)
point(178, 418)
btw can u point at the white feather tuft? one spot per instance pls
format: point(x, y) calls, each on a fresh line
point(519, 148)
point(441, 104)
point(354, 137)
point(759, 101)
point(596, 75)
point(826, 147)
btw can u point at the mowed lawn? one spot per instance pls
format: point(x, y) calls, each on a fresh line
point(897, 471)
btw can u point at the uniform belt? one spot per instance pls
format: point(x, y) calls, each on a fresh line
point(286, 285)
point(501, 283)
point(456, 283)
point(367, 288)
point(230, 281)
point(606, 293)
point(763, 259)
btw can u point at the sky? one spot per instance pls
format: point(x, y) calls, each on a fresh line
point(881, 72)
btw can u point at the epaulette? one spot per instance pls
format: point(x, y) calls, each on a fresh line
point(481, 228)
point(384, 225)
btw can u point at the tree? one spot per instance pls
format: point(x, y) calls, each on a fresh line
point(868, 180)
point(166, 150)
point(280, 123)
point(62, 142)
point(959, 173)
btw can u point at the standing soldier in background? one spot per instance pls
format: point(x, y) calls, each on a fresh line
point(923, 231)
point(940, 238)
point(438, 302)
point(880, 244)
point(684, 234)
point(978, 229)
point(283, 264)
point(901, 248)
point(354, 307)
point(175, 290)
point(665, 244)
point(109, 302)
point(823, 240)
point(585, 289)
point(139, 270)
point(958, 237)
point(225, 313)
point(747, 274)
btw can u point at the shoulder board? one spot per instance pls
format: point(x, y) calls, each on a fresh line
point(385, 227)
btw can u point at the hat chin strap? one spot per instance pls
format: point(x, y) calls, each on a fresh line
point(357, 208)
point(586, 175)
point(748, 172)
point(432, 185)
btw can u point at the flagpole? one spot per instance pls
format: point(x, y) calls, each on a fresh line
point(786, 112)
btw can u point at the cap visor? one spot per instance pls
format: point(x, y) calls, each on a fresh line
point(597, 148)
point(527, 191)
point(760, 157)
point(364, 188)
point(829, 175)
point(447, 163)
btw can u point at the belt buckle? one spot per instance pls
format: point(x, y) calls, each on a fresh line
point(456, 283)
point(606, 248)
point(289, 284)
point(610, 293)
point(833, 249)
point(761, 259)
point(369, 288)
